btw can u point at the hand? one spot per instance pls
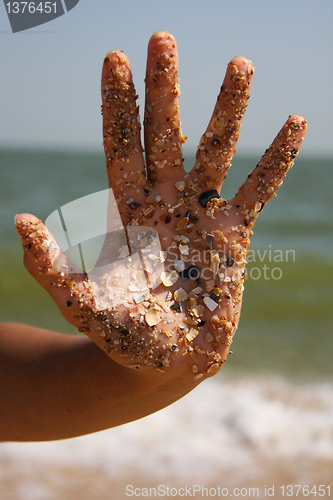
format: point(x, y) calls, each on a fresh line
point(185, 325)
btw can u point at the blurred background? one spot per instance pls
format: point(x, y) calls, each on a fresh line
point(268, 416)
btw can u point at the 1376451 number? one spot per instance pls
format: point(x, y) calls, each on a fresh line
point(291, 490)
point(31, 7)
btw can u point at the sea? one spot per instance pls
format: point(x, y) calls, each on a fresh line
point(264, 423)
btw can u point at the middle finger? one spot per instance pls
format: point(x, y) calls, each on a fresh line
point(163, 138)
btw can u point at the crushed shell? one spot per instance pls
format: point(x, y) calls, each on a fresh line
point(169, 279)
point(135, 286)
point(209, 337)
point(180, 295)
point(152, 317)
point(179, 265)
point(215, 262)
point(123, 252)
point(198, 311)
point(153, 198)
point(184, 249)
point(180, 185)
point(219, 236)
point(191, 334)
point(210, 303)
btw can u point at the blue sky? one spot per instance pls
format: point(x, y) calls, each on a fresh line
point(50, 75)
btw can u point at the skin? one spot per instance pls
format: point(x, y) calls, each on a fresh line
point(54, 386)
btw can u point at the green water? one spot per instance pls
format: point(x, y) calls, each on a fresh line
point(287, 322)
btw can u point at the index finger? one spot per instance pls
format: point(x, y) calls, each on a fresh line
point(218, 144)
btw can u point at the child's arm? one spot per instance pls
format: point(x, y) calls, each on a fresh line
point(55, 386)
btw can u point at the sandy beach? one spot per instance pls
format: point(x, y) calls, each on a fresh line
point(243, 433)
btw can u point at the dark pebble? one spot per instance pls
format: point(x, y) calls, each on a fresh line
point(230, 261)
point(69, 303)
point(122, 329)
point(134, 206)
point(206, 196)
point(191, 272)
point(176, 307)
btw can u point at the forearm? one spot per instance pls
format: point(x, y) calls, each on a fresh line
point(55, 386)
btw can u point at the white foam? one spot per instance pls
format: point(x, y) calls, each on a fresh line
point(223, 423)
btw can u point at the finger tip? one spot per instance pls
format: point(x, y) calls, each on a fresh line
point(115, 60)
point(240, 68)
point(296, 127)
point(297, 120)
point(242, 63)
point(116, 56)
point(24, 218)
point(162, 38)
point(162, 34)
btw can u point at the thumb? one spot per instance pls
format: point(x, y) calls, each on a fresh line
point(40, 252)
point(40, 248)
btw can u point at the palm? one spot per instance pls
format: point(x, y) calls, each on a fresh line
point(188, 319)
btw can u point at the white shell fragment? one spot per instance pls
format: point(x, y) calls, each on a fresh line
point(169, 279)
point(179, 265)
point(180, 185)
point(139, 298)
point(210, 303)
point(192, 334)
point(160, 164)
point(209, 337)
point(163, 255)
point(153, 198)
point(152, 317)
point(135, 286)
point(215, 262)
point(180, 295)
point(184, 249)
point(123, 252)
point(198, 311)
